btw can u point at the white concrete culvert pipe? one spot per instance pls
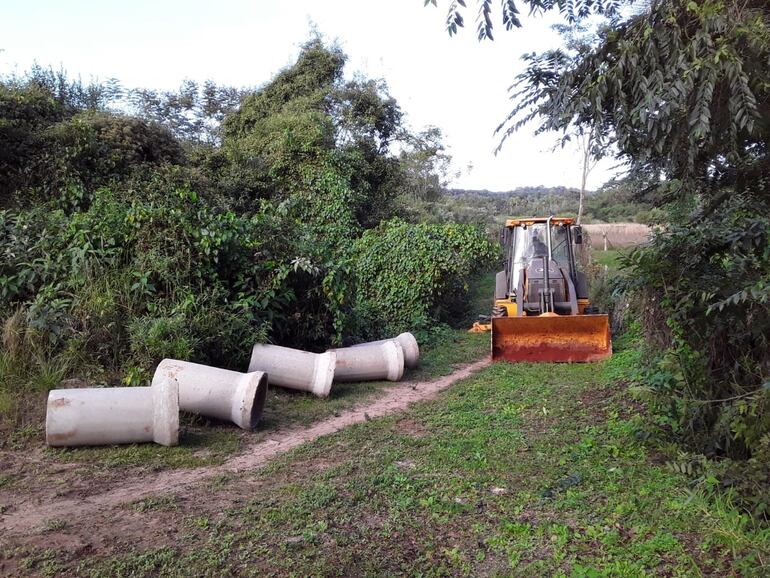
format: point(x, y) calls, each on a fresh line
point(370, 362)
point(295, 369)
point(408, 344)
point(218, 393)
point(113, 415)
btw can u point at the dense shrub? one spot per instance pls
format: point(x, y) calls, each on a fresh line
point(410, 276)
point(23, 115)
point(47, 146)
point(705, 294)
point(123, 283)
point(94, 148)
point(133, 281)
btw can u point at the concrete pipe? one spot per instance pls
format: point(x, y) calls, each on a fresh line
point(113, 415)
point(408, 344)
point(370, 361)
point(219, 393)
point(295, 369)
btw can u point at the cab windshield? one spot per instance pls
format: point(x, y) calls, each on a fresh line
point(532, 242)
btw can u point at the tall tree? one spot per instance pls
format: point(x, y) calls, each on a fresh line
point(572, 10)
point(194, 113)
point(681, 89)
point(425, 162)
point(588, 160)
point(309, 132)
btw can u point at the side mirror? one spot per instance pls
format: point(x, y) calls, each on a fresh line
point(577, 234)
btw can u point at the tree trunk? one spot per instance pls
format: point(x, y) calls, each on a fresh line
point(586, 142)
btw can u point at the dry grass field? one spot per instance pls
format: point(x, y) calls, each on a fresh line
point(618, 234)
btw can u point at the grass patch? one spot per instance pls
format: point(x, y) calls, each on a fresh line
point(55, 525)
point(24, 383)
point(198, 447)
point(609, 258)
point(521, 470)
point(20, 437)
point(45, 562)
point(452, 349)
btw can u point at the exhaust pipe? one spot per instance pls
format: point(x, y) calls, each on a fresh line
point(218, 393)
point(370, 361)
point(295, 369)
point(113, 415)
point(408, 343)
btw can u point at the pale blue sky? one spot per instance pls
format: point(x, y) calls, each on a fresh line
point(456, 83)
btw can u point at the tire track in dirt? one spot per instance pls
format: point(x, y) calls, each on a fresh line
point(31, 516)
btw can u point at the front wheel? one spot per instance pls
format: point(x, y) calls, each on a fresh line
point(499, 311)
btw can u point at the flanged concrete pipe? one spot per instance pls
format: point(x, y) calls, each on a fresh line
point(113, 415)
point(295, 369)
point(408, 344)
point(370, 361)
point(220, 393)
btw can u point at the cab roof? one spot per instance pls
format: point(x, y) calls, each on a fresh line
point(518, 222)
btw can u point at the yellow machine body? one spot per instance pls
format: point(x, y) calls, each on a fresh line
point(563, 332)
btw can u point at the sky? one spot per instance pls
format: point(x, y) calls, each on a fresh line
point(457, 84)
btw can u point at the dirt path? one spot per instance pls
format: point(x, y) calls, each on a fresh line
point(29, 516)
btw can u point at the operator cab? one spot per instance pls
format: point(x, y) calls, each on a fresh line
point(540, 272)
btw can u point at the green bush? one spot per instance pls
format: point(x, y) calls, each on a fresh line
point(704, 295)
point(134, 281)
point(409, 276)
point(121, 284)
point(95, 148)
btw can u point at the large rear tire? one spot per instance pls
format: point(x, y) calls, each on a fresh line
point(499, 311)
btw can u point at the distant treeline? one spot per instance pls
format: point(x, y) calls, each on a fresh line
point(616, 201)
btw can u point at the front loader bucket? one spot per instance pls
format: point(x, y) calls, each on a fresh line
point(551, 338)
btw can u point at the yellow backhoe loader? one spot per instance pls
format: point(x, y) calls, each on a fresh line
point(541, 309)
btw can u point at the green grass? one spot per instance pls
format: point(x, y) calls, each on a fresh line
point(199, 446)
point(24, 383)
point(521, 470)
point(609, 258)
point(165, 503)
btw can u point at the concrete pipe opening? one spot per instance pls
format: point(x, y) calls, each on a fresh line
point(113, 415)
point(295, 369)
point(218, 393)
